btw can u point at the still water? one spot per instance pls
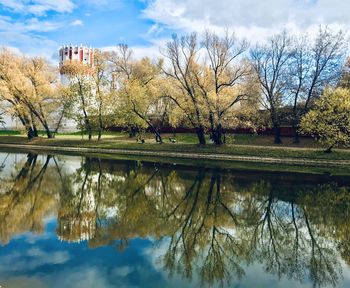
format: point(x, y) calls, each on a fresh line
point(68, 221)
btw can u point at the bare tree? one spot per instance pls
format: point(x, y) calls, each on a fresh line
point(270, 63)
point(312, 68)
point(345, 75)
point(122, 61)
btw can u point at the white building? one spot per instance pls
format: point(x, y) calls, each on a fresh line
point(69, 53)
point(80, 53)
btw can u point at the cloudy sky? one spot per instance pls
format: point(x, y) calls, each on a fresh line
point(39, 27)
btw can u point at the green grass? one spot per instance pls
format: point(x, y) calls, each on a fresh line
point(79, 134)
point(244, 146)
point(9, 132)
point(339, 171)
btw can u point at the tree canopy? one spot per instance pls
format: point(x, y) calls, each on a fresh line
point(329, 120)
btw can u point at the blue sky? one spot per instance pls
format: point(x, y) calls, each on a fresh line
point(39, 27)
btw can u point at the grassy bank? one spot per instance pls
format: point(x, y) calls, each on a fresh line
point(246, 146)
point(184, 151)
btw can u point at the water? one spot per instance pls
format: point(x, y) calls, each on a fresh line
point(68, 221)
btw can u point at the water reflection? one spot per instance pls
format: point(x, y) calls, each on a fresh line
point(215, 223)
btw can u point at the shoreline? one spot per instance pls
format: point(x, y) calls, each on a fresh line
point(181, 155)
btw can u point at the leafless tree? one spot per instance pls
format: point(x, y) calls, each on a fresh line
point(313, 66)
point(270, 62)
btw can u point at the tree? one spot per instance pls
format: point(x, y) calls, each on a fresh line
point(2, 120)
point(81, 89)
point(270, 63)
point(42, 94)
point(30, 86)
point(103, 90)
point(9, 92)
point(345, 75)
point(313, 66)
point(121, 62)
point(329, 120)
point(138, 89)
point(142, 91)
point(182, 54)
point(208, 78)
point(226, 75)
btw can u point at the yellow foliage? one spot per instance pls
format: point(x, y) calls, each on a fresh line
point(329, 121)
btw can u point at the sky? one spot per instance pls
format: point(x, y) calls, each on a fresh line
point(40, 27)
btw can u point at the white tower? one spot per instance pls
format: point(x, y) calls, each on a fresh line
point(70, 53)
point(82, 54)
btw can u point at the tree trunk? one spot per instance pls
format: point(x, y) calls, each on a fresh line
point(277, 133)
point(132, 131)
point(218, 135)
point(296, 138)
point(276, 127)
point(87, 123)
point(200, 135)
point(35, 131)
point(157, 134)
point(212, 133)
point(100, 124)
point(329, 149)
point(149, 123)
point(49, 134)
point(159, 138)
point(30, 133)
point(30, 128)
point(88, 128)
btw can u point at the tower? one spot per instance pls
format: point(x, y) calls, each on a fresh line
point(82, 54)
point(70, 53)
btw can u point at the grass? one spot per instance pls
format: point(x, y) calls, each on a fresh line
point(244, 145)
point(323, 171)
point(9, 132)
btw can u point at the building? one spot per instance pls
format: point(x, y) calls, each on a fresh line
point(69, 53)
point(74, 53)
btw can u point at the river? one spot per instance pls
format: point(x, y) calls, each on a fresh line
point(72, 221)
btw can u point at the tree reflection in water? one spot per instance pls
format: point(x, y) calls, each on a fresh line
point(216, 222)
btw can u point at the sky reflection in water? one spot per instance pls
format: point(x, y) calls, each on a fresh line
point(85, 222)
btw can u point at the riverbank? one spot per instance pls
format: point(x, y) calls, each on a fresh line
point(270, 155)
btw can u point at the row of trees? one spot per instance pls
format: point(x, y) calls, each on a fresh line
point(295, 71)
point(208, 84)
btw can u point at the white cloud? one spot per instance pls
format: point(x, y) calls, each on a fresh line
point(25, 35)
point(12, 4)
point(77, 23)
point(38, 7)
point(104, 4)
point(32, 259)
point(153, 50)
point(253, 19)
point(30, 45)
point(28, 25)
